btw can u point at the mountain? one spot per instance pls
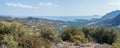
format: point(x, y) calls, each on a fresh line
point(109, 20)
point(111, 15)
point(114, 22)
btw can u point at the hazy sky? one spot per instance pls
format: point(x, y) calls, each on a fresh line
point(57, 7)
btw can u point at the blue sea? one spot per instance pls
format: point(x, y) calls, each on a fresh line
point(69, 18)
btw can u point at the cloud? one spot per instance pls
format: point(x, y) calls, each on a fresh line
point(20, 5)
point(48, 4)
point(41, 4)
point(114, 3)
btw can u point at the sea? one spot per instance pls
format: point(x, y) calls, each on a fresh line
point(69, 18)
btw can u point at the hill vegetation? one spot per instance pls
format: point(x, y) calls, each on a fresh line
point(16, 35)
point(45, 33)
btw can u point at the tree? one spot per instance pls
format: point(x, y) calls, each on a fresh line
point(34, 42)
point(89, 33)
point(11, 28)
point(116, 44)
point(15, 35)
point(5, 27)
point(104, 35)
point(51, 34)
point(73, 34)
point(10, 41)
point(101, 34)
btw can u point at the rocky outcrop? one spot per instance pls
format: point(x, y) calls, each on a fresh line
point(80, 45)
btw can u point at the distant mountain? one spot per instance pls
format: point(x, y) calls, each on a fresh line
point(114, 22)
point(111, 15)
point(111, 19)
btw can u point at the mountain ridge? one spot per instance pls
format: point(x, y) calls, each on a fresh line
point(111, 15)
point(111, 19)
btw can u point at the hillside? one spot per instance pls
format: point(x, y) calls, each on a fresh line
point(42, 22)
point(109, 20)
point(79, 22)
point(114, 22)
point(35, 22)
point(111, 15)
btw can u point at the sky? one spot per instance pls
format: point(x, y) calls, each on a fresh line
point(58, 7)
